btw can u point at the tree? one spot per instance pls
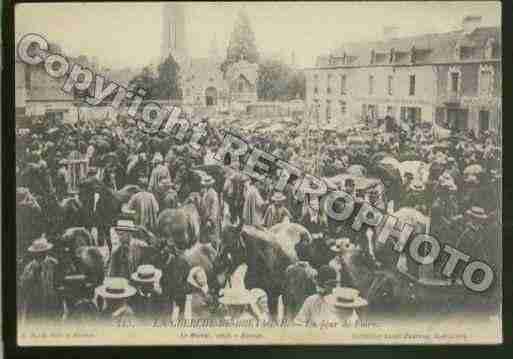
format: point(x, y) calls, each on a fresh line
point(146, 81)
point(242, 43)
point(278, 82)
point(167, 86)
point(163, 86)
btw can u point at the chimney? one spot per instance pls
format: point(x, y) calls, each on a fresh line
point(390, 32)
point(470, 23)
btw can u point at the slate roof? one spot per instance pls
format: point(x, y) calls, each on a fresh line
point(430, 48)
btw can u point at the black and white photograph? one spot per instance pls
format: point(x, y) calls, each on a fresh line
point(255, 173)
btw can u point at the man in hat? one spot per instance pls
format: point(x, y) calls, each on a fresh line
point(316, 308)
point(146, 209)
point(474, 240)
point(147, 303)
point(39, 296)
point(130, 253)
point(276, 212)
point(209, 211)
point(159, 173)
point(253, 204)
point(113, 295)
point(341, 247)
point(167, 196)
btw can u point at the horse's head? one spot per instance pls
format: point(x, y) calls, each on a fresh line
point(231, 252)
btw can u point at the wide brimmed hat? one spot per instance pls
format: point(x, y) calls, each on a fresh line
point(115, 288)
point(207, 181)
point(146, 273)
point(40, 245)
point(126, 225)
point(157, 158)
point(166, 183)
point(236, 296)
point(471, 179)
point(477, 212)
point(278, 197)
point(346, 298)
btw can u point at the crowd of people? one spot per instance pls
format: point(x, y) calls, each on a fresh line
point(108, 216)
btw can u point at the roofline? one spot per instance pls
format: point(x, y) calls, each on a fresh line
point(404, 65)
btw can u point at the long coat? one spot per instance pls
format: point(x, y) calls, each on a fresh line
point(126, 259)
point(252, 209)
point(159, 173)
point(147, 209)
point(209, 212)
point(39, 297)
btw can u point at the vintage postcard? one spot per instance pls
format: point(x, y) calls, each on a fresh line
point(258, 173)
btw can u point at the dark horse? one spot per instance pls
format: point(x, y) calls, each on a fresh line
point(266, 260)
point(100, 208)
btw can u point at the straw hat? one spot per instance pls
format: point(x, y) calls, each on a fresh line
point(146, 273)
point(207, 181)
point(40, 245)
point(115, 288)
point(126, 225)
point(157, 158)
point(278, 197)
point(166, 183)
point(477, 212)
point(346, 298)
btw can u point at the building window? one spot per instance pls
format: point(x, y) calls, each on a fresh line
point(390, 111)
point(343, 108)
point(316, 90)
point(485, 82)
point(390, 84)
point(371, 85)
point(241, 86)
point(454, 81)
point(328, 84)
point(412, 85)
point(328, 110)
point(343, 84)
point(484, 121)
point(316, 109)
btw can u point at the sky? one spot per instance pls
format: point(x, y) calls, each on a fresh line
point(129, 34)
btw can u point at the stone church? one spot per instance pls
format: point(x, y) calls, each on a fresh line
point(203, 83)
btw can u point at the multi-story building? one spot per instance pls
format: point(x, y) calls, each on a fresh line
point(453, 77)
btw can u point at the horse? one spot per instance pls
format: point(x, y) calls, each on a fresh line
point(181, 225)
point(177, 266)
point(266, 260)
point(100, 208)
point(76, 255)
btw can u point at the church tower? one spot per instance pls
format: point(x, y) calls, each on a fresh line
point(173, 31)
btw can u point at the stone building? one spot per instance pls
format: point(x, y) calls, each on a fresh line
point(452, 78)
point(202, 82)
